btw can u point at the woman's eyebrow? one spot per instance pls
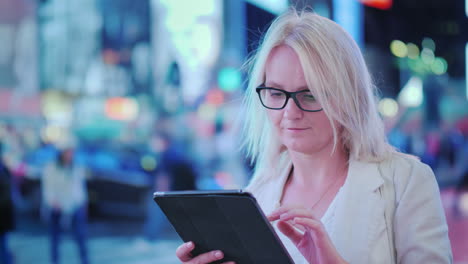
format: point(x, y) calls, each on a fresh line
point(279, 86)
point(303, 88)
point(274, 84)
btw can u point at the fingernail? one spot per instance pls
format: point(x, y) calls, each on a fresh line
point(189, 244)
point(218, 254)
point(272, 215)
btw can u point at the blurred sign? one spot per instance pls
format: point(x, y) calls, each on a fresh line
point(274, 7)
point(15, 104)
point(57, 107)
point(229, 79)
point(120, 108)
point(380, 4)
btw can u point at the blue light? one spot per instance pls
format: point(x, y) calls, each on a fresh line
point(349, 15)
point(274, 7)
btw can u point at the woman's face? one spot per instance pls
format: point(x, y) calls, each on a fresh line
point(298, 130)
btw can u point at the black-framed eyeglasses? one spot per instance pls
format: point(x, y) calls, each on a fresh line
point(276, 99)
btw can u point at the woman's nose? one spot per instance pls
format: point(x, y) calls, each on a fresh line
point(292, 111)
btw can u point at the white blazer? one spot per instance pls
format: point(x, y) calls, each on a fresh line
point(390, 212)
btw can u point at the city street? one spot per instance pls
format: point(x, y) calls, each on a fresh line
point(110, 242)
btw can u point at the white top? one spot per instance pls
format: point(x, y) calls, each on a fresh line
point(64, 188)
point(327, 220)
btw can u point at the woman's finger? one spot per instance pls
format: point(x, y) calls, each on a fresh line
point(207, 257)
point(309, 225)
point(183, 251)
point(297, 212)
point(275, 215)
point(290, 231)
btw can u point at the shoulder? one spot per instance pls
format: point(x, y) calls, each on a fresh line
point(419, 227)
point(406, 172)
point(400, 166)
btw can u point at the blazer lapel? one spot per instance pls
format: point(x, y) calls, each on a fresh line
point(355, 217)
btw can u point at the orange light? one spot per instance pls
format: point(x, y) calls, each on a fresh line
point(120, 108)
point(215, 97)
point(380, 4)
point(110, 57)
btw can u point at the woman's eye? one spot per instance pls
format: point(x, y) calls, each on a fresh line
point(276, 94)
point(309, 97)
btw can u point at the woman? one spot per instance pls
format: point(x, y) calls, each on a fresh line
point(325, 175)
point(65, 197)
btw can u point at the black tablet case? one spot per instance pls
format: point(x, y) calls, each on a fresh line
point(230, 221)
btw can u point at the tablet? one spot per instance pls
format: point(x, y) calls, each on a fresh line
point(227, 220)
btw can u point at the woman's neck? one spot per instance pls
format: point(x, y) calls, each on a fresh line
point(318, 169)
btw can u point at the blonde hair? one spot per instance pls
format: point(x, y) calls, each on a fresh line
point(335, 68)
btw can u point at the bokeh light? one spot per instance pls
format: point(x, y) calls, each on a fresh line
point(120, 108)
point(439, 66)
point(57, 107)
point(229, 79)
point(463, 204)
point(427, 56)
point(388, 107)
point(56, 134)
point(215, 97)
point(148, 163)
point(203, 42)
point(181, 14)
point(417, 65)
point(413, 50)
point(398, 48)
point(207, 112)
point(429, 43)
point(411, 95)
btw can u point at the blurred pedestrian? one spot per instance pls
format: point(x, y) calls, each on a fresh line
point(65, 197)
point(6, 210)
point(177, 165)
point(175, 172)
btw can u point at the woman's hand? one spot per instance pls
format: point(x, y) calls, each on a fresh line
point(184, 255)
point(307, 233)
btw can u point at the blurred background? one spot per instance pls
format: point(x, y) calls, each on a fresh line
point(131, 97)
